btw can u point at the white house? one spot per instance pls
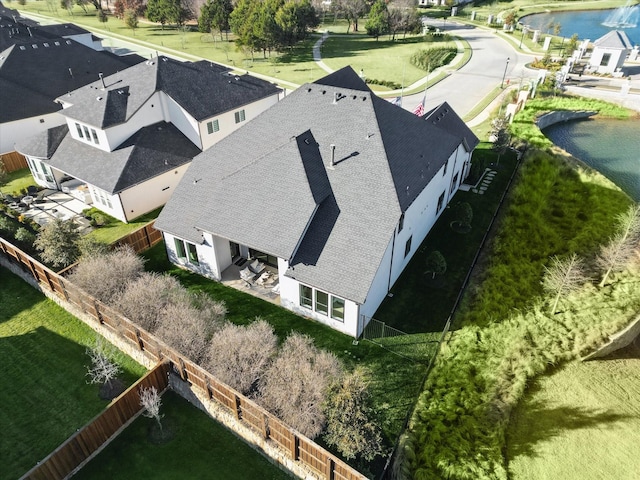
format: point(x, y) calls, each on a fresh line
point(333, 189)
point(129, 137)
point(34, 73)
point(610, 52)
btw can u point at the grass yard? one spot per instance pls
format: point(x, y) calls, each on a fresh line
point(201, 448)
point(580, 421)
point(116, 229)
point(44, 392)
point(17, 180)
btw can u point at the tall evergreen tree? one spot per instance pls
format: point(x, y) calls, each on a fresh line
point(215, 15)
point(378, 21)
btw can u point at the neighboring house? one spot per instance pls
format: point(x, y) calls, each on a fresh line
point(333, 188)
point(34, 74)
point(610, 52)
point(129, 137)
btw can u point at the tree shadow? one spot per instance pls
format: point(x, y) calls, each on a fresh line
point(552, 422)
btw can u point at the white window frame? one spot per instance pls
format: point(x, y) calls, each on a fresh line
point(240, 116)
point(310, 302)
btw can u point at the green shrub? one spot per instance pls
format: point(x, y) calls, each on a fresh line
point(431, 58)
point(7, 226)
point(98, 217)
point(385, 83)
point(23, 235)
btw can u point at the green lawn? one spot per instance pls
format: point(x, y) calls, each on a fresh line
point(201, 448)
point(580, 421)
point(17, 180)
point(116, 229)
point(43, 387)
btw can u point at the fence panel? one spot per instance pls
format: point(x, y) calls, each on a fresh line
point(313, 456)
point(81, 446)
point(253, 416)
point(13, 161)
point(281, 435)
point(142, 239)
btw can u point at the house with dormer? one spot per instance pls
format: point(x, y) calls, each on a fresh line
point(331, 191)
point(129, 137)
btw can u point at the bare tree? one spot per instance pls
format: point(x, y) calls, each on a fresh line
point(188, 325)
point(239, 355)
point(353, 10)
point(103, 370)
point(350, 426)
point(618, 254)
point(105, 276)
point(563, 276)
point(151, 401)
point(295, 384)
point(145, 298)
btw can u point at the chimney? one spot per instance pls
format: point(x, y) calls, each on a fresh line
point(104, 87)
point(332, 160)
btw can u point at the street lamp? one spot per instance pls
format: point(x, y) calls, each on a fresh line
point(505, 73)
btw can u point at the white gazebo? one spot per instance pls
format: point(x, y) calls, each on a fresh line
point(610, 52)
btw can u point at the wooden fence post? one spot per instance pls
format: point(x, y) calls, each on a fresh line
point(295, 444)
point(330, 466)
point(139, 338)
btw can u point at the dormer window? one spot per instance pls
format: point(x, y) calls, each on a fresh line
point(79, 129)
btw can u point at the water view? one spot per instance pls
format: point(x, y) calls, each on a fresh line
point(610, 146)
point(590, 24)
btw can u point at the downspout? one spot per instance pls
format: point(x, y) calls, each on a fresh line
point(393, 246)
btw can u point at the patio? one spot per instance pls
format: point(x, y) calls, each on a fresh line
point(52, 204)
point(266, 290)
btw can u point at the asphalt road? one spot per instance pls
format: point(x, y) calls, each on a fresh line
point(468, 86)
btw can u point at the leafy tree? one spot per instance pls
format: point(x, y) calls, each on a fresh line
point(463, 213)
point(436, 264)
point(242, 21)
point(572, 45)
point(151, 401)
point(403, 16)
point(239, 355)
point(167, 11)
point(352, 10)
point(563, 276)
point(295, 385)
point(350, 425)
point(510, 18)
point(215, 15)
point(131, 19)
point(294, 19)
point(378, 20)
point(102, 17)
point(105, 277)
point(24, 236)
point(58, 243)
point(618, 254)
point(499, 135)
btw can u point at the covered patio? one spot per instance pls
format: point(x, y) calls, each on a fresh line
point(263, 284)
point(48, 205)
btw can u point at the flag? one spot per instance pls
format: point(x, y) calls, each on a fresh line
point(396, 101)
point(419, 110)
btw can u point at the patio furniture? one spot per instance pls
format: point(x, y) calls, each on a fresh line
point(256, 266)
point(32, 190)
point(247, 275)
point(28, 200)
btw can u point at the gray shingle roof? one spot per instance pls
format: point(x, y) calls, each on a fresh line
point(203, 89)
point(152, 151)
point(47, 70)
point(43, 144)
point(614, 39)
point(384, 157)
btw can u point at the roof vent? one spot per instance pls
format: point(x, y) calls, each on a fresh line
point(46, 45)
point(22, 47)
point(332, 160)
point(57, 44)
point(68, 42)
point(98, 98)
point(34, 46)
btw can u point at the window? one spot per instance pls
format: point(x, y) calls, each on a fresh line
point(322, 302)
point(337, 308)
point(401, 223)
point(214, 126)
point(94, 135)
point(86, 133)
point(606, 58)
point(407, 247)
point(306, 300)
point(193, 253)
point(79, 130)
point(445, 168)
point(240, 116)
point(454, 184)
point(180, 251)
point(440, 202)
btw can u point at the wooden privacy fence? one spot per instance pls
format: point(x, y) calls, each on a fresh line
point(81, 446)
point(142, 239)
point(13, 161)
point(297, 447)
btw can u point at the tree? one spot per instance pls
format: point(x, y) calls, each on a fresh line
point(239, 355)
point(378, 20)
point(167, 11)
point(463, 214)
point(510, 18)
point(294, 386)
point(618, 254)
point(3, 172)
point(215, 14)
point(102, 370)
point(105, 277)
point(403, 16)
point(572, 45)
point(145, 298)
point(499, 135)
point(352, 10)
point(242, 21)
point(151, 402)
point(562, 277)
point(436, 264)
point(102, 17)
point(350, 426)
point(294, 19)
point(131, 19)
point(58, 243)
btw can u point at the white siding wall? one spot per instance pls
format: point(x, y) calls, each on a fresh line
point(107, 203)
point(103, 141)
point(151, 194)
point(86, 39)
point(290, 299)
point(151, 112)
point(616, 60)
point(12, 132)
point(227, 121)
point(182, 120)
point(206, 258)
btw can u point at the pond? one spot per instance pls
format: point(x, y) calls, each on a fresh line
point(590, 24)
point(610, 146)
